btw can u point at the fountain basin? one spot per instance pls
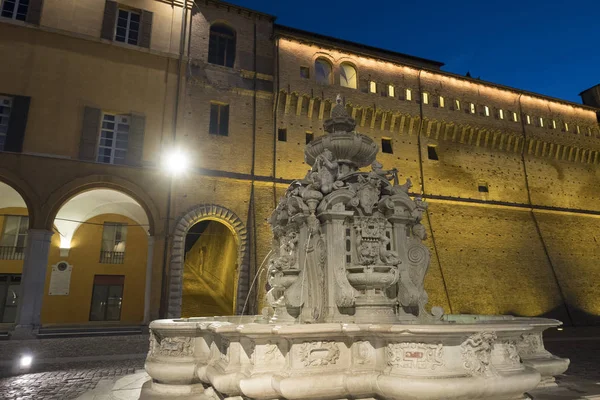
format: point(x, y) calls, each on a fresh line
point(458, 358)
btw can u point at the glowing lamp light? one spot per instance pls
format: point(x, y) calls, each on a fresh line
point(559, 329)
point(25, 361)
point(175, 162)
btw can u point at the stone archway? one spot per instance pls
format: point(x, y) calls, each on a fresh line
point(191, 218)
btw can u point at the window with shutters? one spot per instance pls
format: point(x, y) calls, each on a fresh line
point(15, 9)
point(114, 236)
point(114, 138)
point(14, 237)
point(221, 45)
point(128, 26)
point(219, 119)
point(5, 108)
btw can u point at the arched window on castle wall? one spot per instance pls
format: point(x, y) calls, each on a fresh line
point(323, 71)
point(221, 45)
point(348, 76)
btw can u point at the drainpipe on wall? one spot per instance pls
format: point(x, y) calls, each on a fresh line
point(164, 293)
point(275, 110)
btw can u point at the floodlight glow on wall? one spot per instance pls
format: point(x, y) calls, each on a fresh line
point(175, 162)
point(25, 361)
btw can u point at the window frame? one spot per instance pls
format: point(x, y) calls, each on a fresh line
point(457, 104)
point(128, 28)
point(117, 136)
point(391, 92)
point(14, 11)
point(486, 111)
point(425, 97)
point(121, 285)
point(321, 80)
point(5, 118)
point(14, 252)
point(500, 113)
point(347, 64)
point(219, 122)
point(442, 102)
point(110, 255)
point(408, 94)
point(372, 87)
point(218, 39)
point(472, 108)
point(388, 142)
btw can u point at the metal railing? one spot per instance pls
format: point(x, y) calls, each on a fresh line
point(112, 257)
point(12, 253)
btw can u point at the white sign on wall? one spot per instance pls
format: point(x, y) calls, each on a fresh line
point(60, 280)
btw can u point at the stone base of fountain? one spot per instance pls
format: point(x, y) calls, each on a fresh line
point(462, 357)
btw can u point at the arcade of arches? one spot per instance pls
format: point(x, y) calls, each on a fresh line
point(95, 266)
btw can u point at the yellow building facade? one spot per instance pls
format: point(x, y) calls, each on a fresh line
point(101, 98)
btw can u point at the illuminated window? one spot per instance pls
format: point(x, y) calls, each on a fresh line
point(553, 124)
point(541, 122)
point(408, 94)
point(386, 146)
point(309, 137)
point(322, 71)
point(566, 127)
point(457, 104)
point(515, 117)
point(372, 87)
point(282, 134)
point(14, 238)
point(114, 133)
point(501, 113)
point(219, 119)
point(425, 98)
point(304, 72)
point(486, 111)
point(113, 243)
point(472, 108)
point(15, 9)
point(528, 118)
point(442, 102)
point(5, 107)
point(391, 90)
point(578, 130)
point(221, 45)
point(347, 76)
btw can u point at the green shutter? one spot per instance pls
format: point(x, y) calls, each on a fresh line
point(110, 20)
point(17, 123)
point(135, 144)
point(90, 132)
point(34, 12)
point(145, 29)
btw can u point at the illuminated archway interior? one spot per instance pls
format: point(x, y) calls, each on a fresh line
point(209, 270)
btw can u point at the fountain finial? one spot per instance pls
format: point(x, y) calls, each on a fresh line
point(340, 121)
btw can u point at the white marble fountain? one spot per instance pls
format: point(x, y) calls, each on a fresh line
point(348, 316)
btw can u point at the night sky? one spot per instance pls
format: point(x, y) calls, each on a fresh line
point(548, 47)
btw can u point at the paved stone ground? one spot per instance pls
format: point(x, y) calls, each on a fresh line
point(68, 381)
point(64, 382)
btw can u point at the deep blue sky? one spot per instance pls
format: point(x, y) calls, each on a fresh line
point(549, 47)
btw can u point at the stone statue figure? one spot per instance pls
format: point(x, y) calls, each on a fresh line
point(327, 171)
point(391, 174)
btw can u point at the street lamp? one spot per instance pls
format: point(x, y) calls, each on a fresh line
point(175, 161)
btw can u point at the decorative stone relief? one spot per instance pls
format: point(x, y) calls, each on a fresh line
point(313, 354)
point(224, 349)
point(415, 355)
point(171, 346)
point(510, 352)
point(363, 353)
point(531, 344)
point(476, 353)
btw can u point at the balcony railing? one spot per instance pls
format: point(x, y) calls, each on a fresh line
point(112, 257)
point(12, 253)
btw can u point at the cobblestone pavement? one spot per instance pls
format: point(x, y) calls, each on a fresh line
point(65, 382)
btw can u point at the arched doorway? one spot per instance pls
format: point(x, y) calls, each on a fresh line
point(208, 218)
point(98, 261)
point(14, 226)
point(209, 271)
